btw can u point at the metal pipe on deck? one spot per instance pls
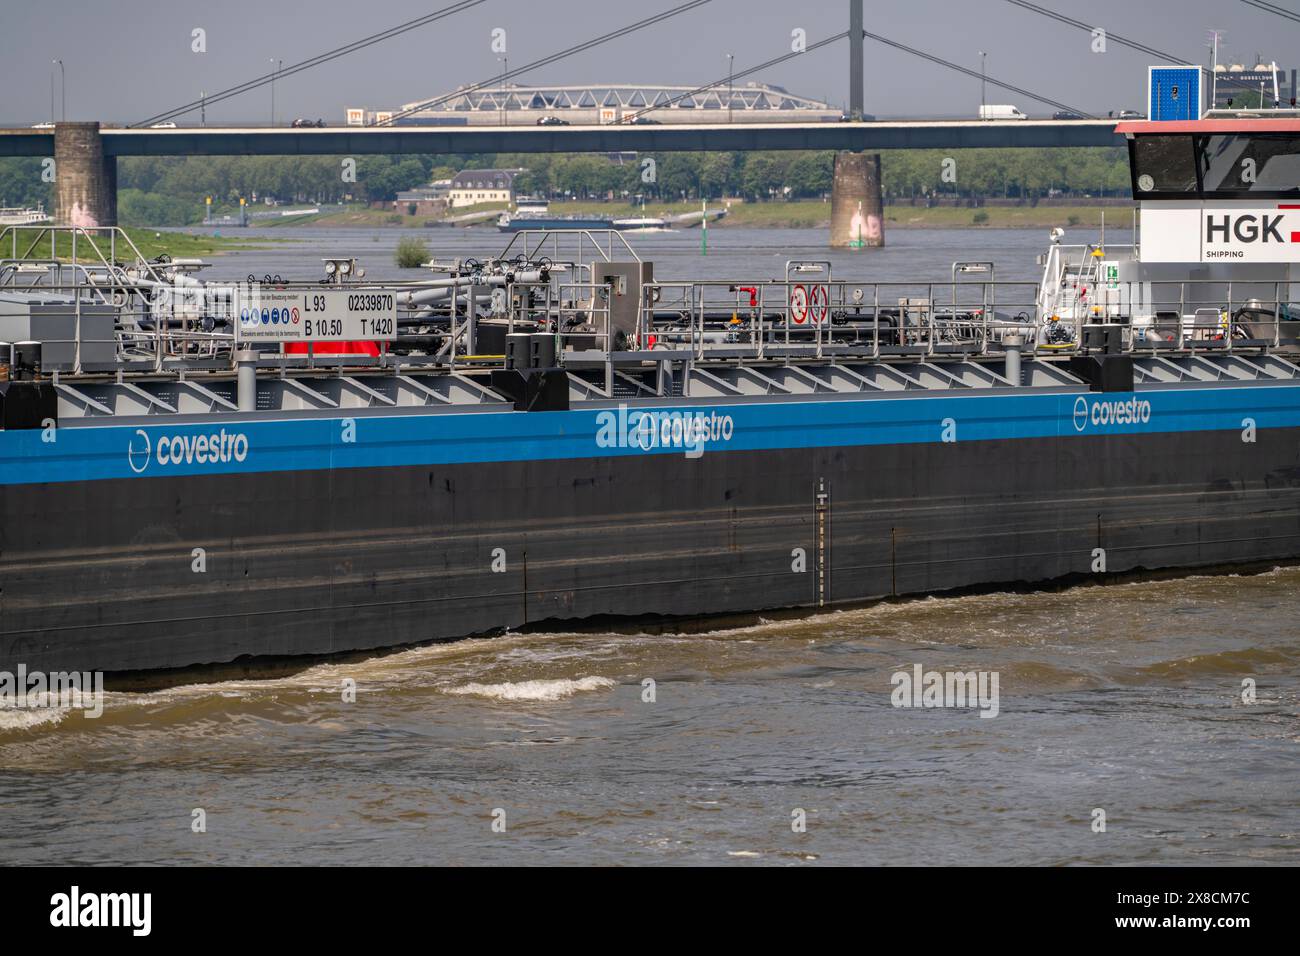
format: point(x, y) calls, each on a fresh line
point(1013, 344)
point(471, 321)
point(443, 291)
point(246, 380)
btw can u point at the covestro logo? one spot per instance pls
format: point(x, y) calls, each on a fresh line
point(212, 448)
point(655, 430)
point(1100, 413)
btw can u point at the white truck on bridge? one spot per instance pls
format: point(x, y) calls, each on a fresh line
point(991, 112)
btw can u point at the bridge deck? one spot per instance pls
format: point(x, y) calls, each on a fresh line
point(348, 140)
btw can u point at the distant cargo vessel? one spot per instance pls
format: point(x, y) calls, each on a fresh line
point(535, 214)
point(195, 472)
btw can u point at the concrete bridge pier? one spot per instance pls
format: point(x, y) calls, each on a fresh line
point(857, 210)
point(85, 180)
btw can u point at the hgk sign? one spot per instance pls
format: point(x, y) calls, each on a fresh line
point(1192, 232)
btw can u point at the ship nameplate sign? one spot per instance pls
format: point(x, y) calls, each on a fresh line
point(317, 315)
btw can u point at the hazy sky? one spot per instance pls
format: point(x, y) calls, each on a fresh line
point(129, 59)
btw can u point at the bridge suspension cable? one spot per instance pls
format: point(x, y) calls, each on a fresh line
point(732, 77)
point(1126, 41)
point(313, 61)
point(975, 73)
point(1273, 8)
point(749, 71)
point(546, 60)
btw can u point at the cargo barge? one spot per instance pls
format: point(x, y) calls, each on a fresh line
point(198, 472)
point(532, 215)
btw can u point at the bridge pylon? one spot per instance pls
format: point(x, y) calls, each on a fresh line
point(85, 180)
point(857, 210)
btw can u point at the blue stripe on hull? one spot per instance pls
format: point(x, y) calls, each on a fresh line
point(227, 445)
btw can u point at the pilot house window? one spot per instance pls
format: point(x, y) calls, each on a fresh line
point(1254, 163)
point(1164, 164)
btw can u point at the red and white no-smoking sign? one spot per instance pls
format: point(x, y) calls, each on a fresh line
point(819, 300)
point(809, 303)
point(799, 304)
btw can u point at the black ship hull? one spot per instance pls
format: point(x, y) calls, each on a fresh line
point(105, 575)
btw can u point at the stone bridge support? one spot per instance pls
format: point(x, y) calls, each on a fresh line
point(857, 211)
point(85, 180)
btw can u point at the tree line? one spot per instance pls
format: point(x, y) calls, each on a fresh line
point(776, 175)
point(160, 191)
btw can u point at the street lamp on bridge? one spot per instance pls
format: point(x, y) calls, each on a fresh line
point(505, 68)
point(731, 62)
point(983, 57)
point(276, 66)
point(63, 93)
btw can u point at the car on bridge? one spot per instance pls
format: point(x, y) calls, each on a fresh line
point(552, 121)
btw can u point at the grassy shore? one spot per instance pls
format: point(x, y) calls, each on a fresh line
point(364, 216)
point(351, 215)
point(1005, 217)
point(817, 215)
point(812, 214)
point(151, 243)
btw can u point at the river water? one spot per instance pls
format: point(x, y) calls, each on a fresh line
point(740, 253)
point(1125, 699)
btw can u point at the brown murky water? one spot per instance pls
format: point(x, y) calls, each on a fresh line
point(1126, 698)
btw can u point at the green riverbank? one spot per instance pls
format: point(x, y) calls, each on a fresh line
point(774, 215)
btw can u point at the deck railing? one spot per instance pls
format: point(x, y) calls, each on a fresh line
point(131, 316)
